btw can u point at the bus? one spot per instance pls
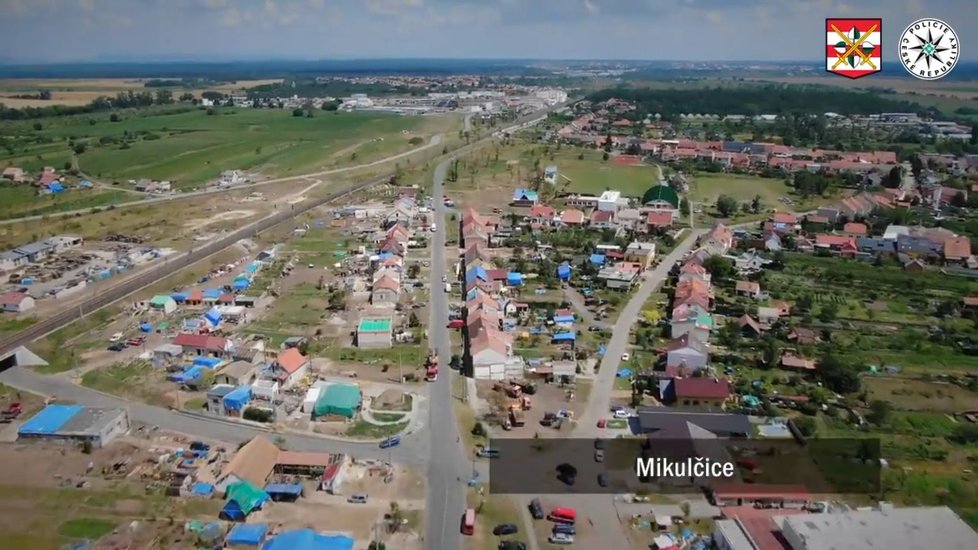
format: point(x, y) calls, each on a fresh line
point(468, 522)
point(563, 515)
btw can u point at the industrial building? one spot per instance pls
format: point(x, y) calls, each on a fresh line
point(75, 424)
point(883, 527)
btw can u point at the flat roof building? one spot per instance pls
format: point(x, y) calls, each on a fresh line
point(375, 332)
point(75, 424)
point(890, 528)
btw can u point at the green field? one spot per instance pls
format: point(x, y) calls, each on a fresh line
point(21, 200)
point(190, 147)
point(592, 175)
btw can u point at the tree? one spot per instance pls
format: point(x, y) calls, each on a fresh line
point(959, 200)
point(605, 156)
point(413, 320)
point(726, 205)
point(755, 205)
point(838, 376)
point(894, 178)
point(719, 268)
point(770, 351)
point(806, 425)
point(479, 430)
point(879, 411)
point(298, 112)
point(828, 312)
point(337, 299)
point(114, 118)
point(964, 434)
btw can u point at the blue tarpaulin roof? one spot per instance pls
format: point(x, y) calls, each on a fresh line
point(202, 489)
point(179, 296)
point(564, 337)
point(55, 187)
point(601, 351)
point(213, 293)
point(240, 284)
point(192, 373)
point(476, 272)
point(253, 267)
point(238, 398)
point(283, 488)
point(146, 327)
point(624, 373)
point(50, 419)
point(209, 362)
point(597, 259)
point(563, 319)
point(213, 316)
point(514, 279)
point(307, 539)
point(247, 534)
point(564, 271)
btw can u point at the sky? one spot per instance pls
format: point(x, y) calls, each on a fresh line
point(52, 31)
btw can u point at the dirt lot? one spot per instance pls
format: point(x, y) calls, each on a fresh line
point(54, 495)
point(549, 398)
point(331, 513)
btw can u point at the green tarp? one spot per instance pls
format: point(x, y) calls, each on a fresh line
point(338, 399)
point(247, 495)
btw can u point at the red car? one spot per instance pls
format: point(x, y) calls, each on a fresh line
point(602, 423)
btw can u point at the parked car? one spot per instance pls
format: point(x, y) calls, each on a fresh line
point(602, 480)
point(625, 356)
point(505, 529)
point(511, 545)
point(599, 444)
point(621, 414)
point(565, 528)
point(560, 538)
point(599, 455)
point(602, 423)
point(594, 328)
point(536, 509)
point(486, 452)
point(118, 346)
point(392, 441)
point(359, 498)
point(115, 337)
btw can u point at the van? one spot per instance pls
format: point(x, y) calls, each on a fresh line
point(392, 441)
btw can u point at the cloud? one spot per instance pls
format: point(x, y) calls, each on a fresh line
point(393, 7)
point(87, 5)
point(215, 4)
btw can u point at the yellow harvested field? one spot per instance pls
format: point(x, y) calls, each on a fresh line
point(83, 91)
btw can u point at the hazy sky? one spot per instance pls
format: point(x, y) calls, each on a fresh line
point(69, 30)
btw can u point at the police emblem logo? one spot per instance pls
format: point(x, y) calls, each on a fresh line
point(853, 47)
point(929, 49)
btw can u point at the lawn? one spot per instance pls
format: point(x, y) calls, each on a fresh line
point(137, 380)
point(189, 147)
point(705, 187)
point(21, 200)
point(366, 430)
point(592, 175)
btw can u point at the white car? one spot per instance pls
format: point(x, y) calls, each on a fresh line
point(625, 357)
point(560, 538)
point(434, 228)
point(621, 414)
point(115, 337)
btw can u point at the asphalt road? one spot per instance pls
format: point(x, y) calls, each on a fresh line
point(447, 463)
point(600, 510)
point(411, 451)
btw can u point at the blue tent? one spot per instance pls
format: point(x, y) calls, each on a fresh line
point(514, 279)
point(146, 327)
point(563, 319)
point(602, 350)
point(564, 337)
point(253, 267)
point(624, 373)
point(202, 489)
point(240, 284)
point(247, 534)
point(238, 398)
point(27, 281)
point(104, 274)
point(207, 362)
point(192, 373)
point(564, 271)
point(307, 539)
point(56, 187)
point(597, 259)
point(213, 316)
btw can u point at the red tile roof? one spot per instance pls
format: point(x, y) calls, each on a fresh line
point(541, 211)
point(702, 388)
point(659, 219)
point(572, 216)
point(602, 216)
point(12, 298)
point(785, 217)
point(206, 342)
point(824, 239)
point(957, 248)
point(291, 360)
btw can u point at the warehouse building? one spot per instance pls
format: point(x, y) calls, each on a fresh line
point(75, 424)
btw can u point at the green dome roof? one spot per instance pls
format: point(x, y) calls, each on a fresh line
point(661, 193)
